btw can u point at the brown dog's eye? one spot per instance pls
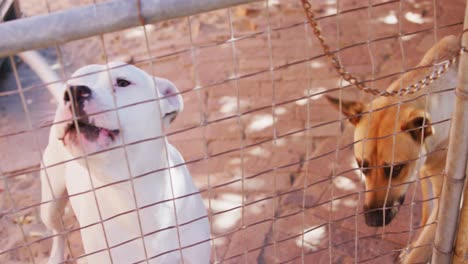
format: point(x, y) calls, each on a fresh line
point(364, 166)
point(122, 82)
point(365, 170)
point(396, 170)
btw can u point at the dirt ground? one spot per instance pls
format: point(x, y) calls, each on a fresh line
point(273, 160)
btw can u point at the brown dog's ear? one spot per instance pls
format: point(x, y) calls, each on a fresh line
point(419, 125)
point(351, 109)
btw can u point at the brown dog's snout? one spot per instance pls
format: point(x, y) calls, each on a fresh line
point(380, 215)
point(77, 94)
point(376, 216)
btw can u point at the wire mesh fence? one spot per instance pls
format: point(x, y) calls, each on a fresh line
point(270, 156)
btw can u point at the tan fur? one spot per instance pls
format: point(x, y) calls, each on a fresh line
point(408, 127)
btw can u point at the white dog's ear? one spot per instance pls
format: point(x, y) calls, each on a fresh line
point(171, 101)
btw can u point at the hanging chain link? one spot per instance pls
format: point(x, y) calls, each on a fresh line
point(441, 67)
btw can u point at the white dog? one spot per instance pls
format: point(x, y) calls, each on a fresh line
point(116, 180)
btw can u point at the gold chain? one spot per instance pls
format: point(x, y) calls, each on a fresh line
point(442, 67)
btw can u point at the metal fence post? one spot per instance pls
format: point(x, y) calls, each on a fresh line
point(455, 166)
point(60, 27)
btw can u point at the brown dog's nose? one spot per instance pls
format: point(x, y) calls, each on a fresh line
point(375, 216)
point(77, 94)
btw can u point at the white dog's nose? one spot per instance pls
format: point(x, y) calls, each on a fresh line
point(77, 94)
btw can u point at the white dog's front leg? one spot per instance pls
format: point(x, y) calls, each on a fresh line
point(58, 247)
point(54, 200)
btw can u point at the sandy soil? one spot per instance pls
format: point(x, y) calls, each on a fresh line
point(278, 155)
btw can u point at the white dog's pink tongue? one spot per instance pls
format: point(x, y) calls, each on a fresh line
point(104, 137)
point(103, 132)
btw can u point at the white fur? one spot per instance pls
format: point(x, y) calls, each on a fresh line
point(107, 163)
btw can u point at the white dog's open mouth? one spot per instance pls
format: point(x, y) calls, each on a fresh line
point(90, 132)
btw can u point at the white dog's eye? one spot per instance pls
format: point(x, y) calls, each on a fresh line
point(122, 82)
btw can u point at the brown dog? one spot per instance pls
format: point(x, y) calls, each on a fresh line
point(397, 138)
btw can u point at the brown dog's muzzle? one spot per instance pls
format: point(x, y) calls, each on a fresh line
point(379, 216)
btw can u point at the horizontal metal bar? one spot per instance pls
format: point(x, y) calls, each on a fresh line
point(77, 23)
